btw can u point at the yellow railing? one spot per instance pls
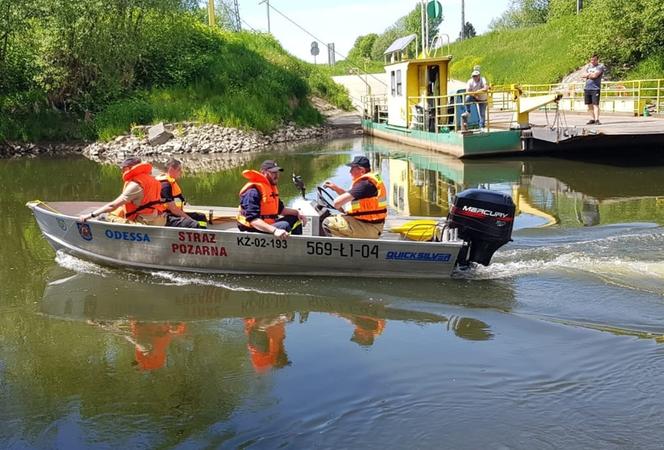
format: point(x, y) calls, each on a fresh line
point(375, 108)
point(442, 114)
point(638, 97)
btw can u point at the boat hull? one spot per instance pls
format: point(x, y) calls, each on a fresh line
point(460, 145)
point(232, 251)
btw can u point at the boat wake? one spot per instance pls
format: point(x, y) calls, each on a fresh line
point(79, 265)
point(633, 261)
point(184, 279)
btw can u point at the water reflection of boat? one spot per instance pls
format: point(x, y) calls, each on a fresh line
point(151, 315)
point(87, 297)
point(425, 185)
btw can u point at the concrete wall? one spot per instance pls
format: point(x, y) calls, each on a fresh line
point(357, 86)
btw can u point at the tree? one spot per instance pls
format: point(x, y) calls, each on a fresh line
point(561, 8)
point(413, 24)
point(362, 47)
point(468, 31)
point(408, 24)
point(522, 13)
point(623, 33)
point(15, 17)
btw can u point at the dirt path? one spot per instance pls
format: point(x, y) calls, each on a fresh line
point(337, 118)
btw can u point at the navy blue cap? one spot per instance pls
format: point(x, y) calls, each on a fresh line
point(361, 161)
point(271, 166)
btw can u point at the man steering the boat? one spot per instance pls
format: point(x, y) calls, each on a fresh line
point(261, 210)
point(140, 200)
point(365, 216)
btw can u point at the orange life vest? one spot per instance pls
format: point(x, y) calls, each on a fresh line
point(371, 209)
point(268, 351)
point(176, 192)
point(269, 207)
point(157, 337)
point(151, 202)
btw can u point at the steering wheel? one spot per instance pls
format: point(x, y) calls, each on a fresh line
point(325, 198)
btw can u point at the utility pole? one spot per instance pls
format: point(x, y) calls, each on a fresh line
point(422, 19)
point(267, 3)
point(463, 19)
point(579, 6)
point(211, 18)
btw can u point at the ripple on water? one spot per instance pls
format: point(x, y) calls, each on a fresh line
point(633, 260)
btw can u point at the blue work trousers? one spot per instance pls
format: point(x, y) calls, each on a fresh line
point(481, 105)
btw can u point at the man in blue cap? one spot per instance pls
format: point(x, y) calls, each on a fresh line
point(365, 216)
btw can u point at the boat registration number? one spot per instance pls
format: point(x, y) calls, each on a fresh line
point(342, 249)
point(261, 242)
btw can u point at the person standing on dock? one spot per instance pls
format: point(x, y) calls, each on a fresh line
point(368, 204)
point(477, 89)
point(591, 91)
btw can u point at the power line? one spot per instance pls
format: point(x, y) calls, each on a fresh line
point(322, 41)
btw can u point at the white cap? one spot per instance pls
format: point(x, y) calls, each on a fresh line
point(475, 72)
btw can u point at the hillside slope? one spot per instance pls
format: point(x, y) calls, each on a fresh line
point(538, 54)
point(167, 66)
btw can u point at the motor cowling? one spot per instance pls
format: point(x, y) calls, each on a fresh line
point(484, 220)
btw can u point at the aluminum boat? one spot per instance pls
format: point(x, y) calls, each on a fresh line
point(478, 224)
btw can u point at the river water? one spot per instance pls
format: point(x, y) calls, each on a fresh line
point(557, 344)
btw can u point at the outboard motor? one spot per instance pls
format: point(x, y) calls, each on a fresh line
point(484, 220)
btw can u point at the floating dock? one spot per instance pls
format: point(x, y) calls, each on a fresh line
point(573, 134)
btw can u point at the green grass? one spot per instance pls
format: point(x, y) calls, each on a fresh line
point(538, 54)
point(244, 80)
point(650, 68)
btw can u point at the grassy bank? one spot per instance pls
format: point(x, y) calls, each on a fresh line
point(541, 54)
point(245, 80)
point(538, 54)
point(251, 83)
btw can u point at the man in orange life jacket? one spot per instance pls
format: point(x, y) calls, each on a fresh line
point(366, 328)
point(174, 200)
point(265, 342)
point(152, 341)
point(366, 215)
point(261, 210)
point(140, 200)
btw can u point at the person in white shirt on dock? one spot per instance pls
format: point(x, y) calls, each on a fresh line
point(477, 89)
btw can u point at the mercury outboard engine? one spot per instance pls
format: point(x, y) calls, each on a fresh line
point(484, 220)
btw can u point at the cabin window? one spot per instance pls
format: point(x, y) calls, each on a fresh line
point(399, 88)
point(394, 83)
